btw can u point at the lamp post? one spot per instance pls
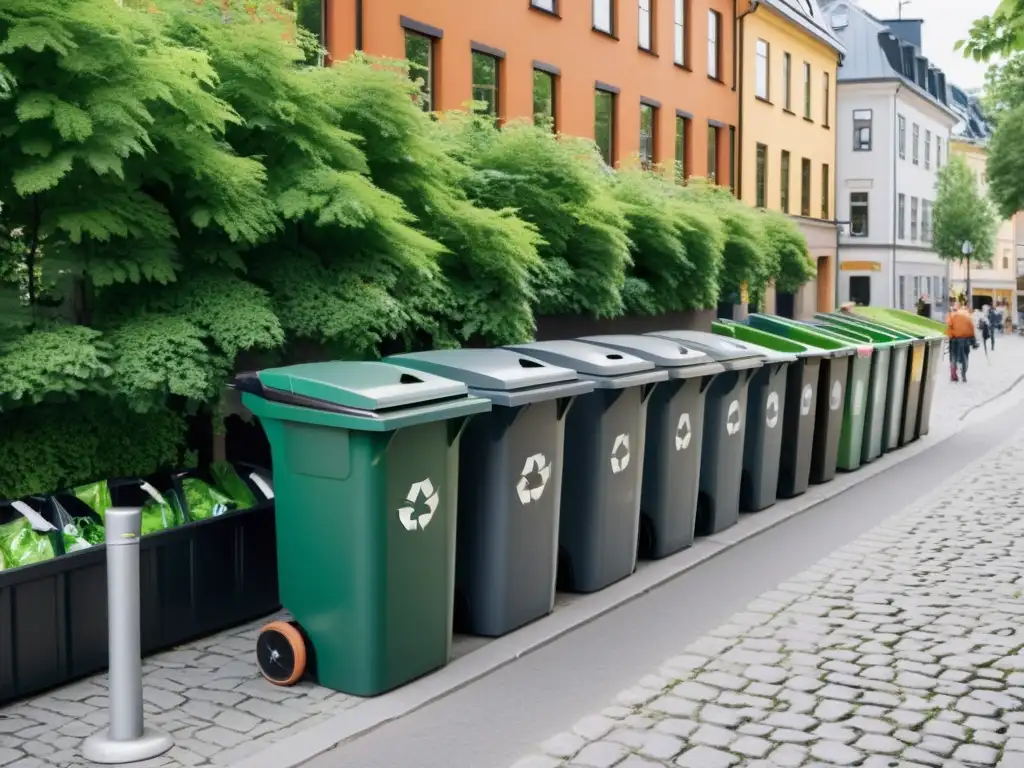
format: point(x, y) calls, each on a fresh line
point(901, 3)
point(967, 249)
point(840, 230)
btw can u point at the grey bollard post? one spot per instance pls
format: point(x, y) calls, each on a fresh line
point(127, 740)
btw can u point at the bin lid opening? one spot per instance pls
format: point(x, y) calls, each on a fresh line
point(732, 354)
point(663, 352)
point(585, 358)
point(361, 388)
point(494, 370)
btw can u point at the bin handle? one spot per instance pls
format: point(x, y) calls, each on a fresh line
point(646, 390)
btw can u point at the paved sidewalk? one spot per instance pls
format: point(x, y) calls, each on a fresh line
point(209, 693)
point(904, 648)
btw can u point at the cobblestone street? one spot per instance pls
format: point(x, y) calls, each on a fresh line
point(902, 646)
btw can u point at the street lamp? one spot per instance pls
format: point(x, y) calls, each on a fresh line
point(967, 249)
point(902, 3)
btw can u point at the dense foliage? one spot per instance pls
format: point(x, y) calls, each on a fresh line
point(962, 214)
point(1000, 33)
point(180, 189)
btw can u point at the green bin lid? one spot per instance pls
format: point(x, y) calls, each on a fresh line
point(879, 336)
point(680, 360)
point(367, 386)
point(829, 345)
point(491, 369)
point(763, 340)
point(733, 354)
point(861, 343)
point(598, 364)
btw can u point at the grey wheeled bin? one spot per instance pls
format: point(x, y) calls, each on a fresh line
point(675, 428)
point(604, 461)
point(725, 417)
point(510, 474)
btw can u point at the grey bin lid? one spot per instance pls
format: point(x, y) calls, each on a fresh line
point(490, 369)
point(368, 386)
point(606, 368)
point(682, 361)
point(735, 355)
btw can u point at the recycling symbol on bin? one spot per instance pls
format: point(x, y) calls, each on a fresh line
point(837, 395)
point(620, 453)
point(772, 410)
point(424, 492)
point(534, 478)
point(733, 420)
point(805, 400)
point(858, 397)
point(683, 433)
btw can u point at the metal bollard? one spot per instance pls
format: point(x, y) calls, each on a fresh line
point(127, 740)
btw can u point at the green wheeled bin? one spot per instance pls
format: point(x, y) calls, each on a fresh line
point(605, 434)
point(510, 479)
point(830, 404)
point(798, 405)
point(895, 378)
point(931, 335)
point(725, 427)
point(675, 429)
point(365, 463)
point(878, 379)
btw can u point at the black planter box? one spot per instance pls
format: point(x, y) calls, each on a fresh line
point(197, 579)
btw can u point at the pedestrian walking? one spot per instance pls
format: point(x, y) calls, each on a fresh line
point(992, 315)
point(960, 329)
point(984, 328)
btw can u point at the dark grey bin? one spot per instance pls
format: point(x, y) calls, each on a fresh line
point(725, 427)
point(604, 459)
point(675, 428)
point(510, 471)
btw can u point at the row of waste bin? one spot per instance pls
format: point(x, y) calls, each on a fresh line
point(457, 487)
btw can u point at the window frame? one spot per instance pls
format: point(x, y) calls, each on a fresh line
point(553, 77)
point(712, 155)
point(643, 14)
point(901, 216)
point(938, 152)
point(714, 61)
point(915, 146)
point(901, 123)
point(613, 98)
point(761, 176)
point(648, 107)
point(610, 4)
point(762, 57)
point(785, 173)
point(913, 219)
point(826, 186)
point(927, 149)
point(858, 119)
point(553, 10)
point(864, 206)
point(926, 220)
point(429, 82)
point(806, 182)
point(787, 81)
point(496, 60)
point(679, 46)
point(827, 114)
point(808, 111)
point(682, 145)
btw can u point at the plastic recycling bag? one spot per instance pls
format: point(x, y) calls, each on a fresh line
point(159, 514)
point(228, 481)
point(204, 501)
point(96, 496)
point(27, 539)
point(78, 532)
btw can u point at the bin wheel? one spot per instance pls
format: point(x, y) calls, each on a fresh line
point(281, 653)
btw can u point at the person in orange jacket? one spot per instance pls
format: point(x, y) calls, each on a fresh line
point(960, 330)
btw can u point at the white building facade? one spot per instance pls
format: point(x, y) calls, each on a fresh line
point(893, 134)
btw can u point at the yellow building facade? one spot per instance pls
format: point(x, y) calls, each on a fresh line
point(787, 144)
point(997, 282)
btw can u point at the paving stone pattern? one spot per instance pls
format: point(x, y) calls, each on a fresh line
point(902, 649)
point(210, 696)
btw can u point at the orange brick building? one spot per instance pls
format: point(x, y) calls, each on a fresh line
point(654, 78)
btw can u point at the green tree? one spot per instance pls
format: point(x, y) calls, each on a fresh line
point(1005, 166)
point(1004, 87)
point(962, 214)
point(1000, 33)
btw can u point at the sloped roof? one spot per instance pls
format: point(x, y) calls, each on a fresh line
point(807, 14)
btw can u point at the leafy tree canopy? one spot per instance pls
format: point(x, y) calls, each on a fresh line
point(962, 214)
point(1004, 87)
point(999, 34)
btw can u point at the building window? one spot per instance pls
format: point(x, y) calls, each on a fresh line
point(732, 158)
point(902, 122)
point(419, 50)
point(784, 182)
point(761, 77)
point(760, 188)
point(603, 13)
point(901, 216)
point(938, 152)
point(714, 28)
point(787, 82)
point(544, 99)
point(858, 214)
point(712, 153)
point(862, 130)
point(926, 221)
point(805, 187)
point(1006, 259)
point(913, 219)
point(682, 140)
point(901, 299)
point(680, 33)
point(927, 150)
point(644, 24)
point(545, 5)
point(826, 95)
point(604, 125)
point(826, 186)
point(916, 142)
point(485, 82)
point(647, 122)
point(807, 90)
